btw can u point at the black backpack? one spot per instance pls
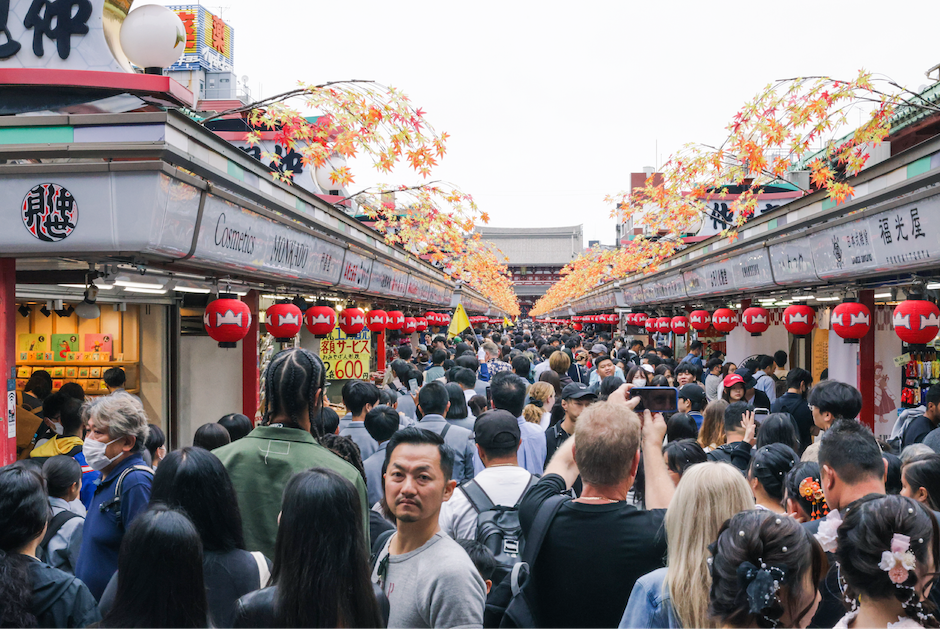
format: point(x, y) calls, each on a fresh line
point(498, 527)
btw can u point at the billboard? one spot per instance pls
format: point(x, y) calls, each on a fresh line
point(210, 42)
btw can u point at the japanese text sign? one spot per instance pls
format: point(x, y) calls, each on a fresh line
point(346, 357)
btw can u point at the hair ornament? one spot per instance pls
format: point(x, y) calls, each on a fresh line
point(535, 402)
point(899, 561)
point(761, 585)
point(827, 535)
point(813, 493)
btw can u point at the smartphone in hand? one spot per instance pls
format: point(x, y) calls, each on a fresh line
point(656, 399)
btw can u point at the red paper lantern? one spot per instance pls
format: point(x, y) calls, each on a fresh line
point(422, 323)
point(320, 320)
point(799, 319)
point(613, 319)
point(443, 318)
point(396, 320)
point(756, 320)
point(411, 325)
point(639, 319)
point(376, 320)
point(431, 317)
point(724, 320)
point(577, 327)
point(851, 321)
point(916, 321)
point(680, 325)
point(227, 320)
point(283, 321)
point(700, 320)
point(650, 324)
point(352, 321)
point(664, 325)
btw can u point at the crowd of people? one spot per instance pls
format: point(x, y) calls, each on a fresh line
point(482, 481)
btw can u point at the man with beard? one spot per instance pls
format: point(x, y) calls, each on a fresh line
point(428, 578)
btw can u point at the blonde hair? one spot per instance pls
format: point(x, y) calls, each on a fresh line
point(540, 391)
point(606, 437)
point(712, 432)
point(559, 362)
point(707, 495)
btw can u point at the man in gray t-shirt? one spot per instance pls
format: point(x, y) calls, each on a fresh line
point(428, 578)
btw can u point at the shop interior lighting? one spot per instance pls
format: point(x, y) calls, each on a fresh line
point(933, 286)
point(802, 297)
point(126, 282)
point(828, 298)
point(82, 286)
point(24, 310)
point(153, 290)
point(882, 295)
point(191, 287)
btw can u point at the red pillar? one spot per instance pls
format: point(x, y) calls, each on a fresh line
point(866, 364)
point(251, 375)
point(380, 350)
point(8, 357)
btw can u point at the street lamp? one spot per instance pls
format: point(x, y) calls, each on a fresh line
point(153, 37)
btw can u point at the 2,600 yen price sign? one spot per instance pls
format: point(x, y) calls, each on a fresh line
point(346, 357)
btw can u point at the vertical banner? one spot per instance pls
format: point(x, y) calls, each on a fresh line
point(345, 356)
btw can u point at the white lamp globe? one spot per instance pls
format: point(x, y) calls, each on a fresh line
point(153, 36)
point(322, 174)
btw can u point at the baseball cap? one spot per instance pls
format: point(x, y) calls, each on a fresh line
point(694, 394)
point(732, 379)
point(496, 429)
point(747, 377)
point(576, 391)
point(599, 348)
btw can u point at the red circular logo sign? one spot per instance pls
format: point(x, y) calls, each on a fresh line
point(50, 212)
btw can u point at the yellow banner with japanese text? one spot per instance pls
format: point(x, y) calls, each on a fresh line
point(346, 356)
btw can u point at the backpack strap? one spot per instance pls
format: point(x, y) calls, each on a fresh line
point(379, 544)
point(444, 432)
point(477, 497)
point(532, 480)
point(56, 523)
point(543, 518)
point(115, 502)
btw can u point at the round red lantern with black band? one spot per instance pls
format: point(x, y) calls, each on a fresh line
point(699, 320)
point(916, 321)
point(799, 320)
point(376, 320)
point(724, 320)
point(411, 325)
point(650, 324)
point(639, 319)
point(443, 318)
point(283, 321)
point(680, 325)
point(431, 317)
point(422, 323)
point(756, 320)
point(850, 320)
point(227, 320)
point(352, 321)
point(396, 320)
point(320, 320)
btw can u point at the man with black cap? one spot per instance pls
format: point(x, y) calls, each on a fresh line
point(497, 437)
point(692, 401)
point(575, 397)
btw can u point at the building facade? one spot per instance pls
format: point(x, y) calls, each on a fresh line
point(535, 256)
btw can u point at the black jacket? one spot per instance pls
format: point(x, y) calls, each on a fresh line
point(796, 405)
point(737, 454)
point(257, 608)
point(59, 599)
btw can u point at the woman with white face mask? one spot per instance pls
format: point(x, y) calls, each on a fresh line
point(117, 433)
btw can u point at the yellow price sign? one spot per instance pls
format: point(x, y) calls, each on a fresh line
point(346, 356)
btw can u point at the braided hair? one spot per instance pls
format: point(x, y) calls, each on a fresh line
point(293, 382)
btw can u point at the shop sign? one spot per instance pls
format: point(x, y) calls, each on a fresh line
point(669, 288)
point(709, 279)
point(907, 236)
point(752, 270)
point(345, 356)
point(843, 250)
point(11, 409)
point(633, 294)
point(719, 217)
point(235, 237)
point(50, 212)
point(210, 42)
point(418, 289)
point(792, 262)
point(357, 271)
point(903, 359)
point(386, 280)
point(60, 34)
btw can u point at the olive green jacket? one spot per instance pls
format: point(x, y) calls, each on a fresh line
point(261, 463)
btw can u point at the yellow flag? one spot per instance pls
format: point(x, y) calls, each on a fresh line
point(458, 323)
point(507, 323)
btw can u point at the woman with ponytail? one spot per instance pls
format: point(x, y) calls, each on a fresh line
point(541, 399)
point(34, 594)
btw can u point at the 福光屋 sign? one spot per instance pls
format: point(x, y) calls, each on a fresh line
point(63, 34)
point(346, 357)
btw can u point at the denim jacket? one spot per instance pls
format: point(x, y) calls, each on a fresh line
point(649, 604)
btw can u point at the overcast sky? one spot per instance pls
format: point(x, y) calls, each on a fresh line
point(550, 106)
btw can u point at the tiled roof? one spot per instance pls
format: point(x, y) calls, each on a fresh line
point(548, 246)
